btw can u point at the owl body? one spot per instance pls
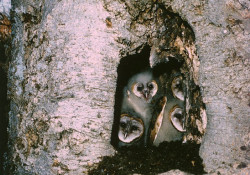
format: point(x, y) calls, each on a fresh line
point(168, 132)
point(173, 120)
point(139, 96)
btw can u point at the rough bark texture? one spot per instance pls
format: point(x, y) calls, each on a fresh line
point(62, 84)
point(62, 78)
point(5, 6)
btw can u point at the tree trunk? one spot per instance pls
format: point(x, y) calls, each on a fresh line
point(63, 73)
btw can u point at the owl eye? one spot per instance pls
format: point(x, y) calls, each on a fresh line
point(178, 116)
point(123, 125)
point(150, 86)
point(134, 128)
point(178, 85)
point(139, 87)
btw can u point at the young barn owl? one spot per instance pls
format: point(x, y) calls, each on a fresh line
point(169, 125)
point(140, 96)
point(131, 130)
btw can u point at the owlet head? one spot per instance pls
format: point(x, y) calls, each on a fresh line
point(177, 88)
point(130, 128)
point(144, 86)
point(177, 118)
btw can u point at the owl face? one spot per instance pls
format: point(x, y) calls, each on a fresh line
point(177, 88)
point(144, 86)
point(177, 118)
point(130, 128)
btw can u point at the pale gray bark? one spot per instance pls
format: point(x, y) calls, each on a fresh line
point(5, 6)
point(62, 79)
point(62, 85)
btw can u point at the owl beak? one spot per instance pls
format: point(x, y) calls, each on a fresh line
point(146, 94)
point(125, 135)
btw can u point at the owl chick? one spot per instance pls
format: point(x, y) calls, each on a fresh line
point(177, 87)
point(130, 131)
point(140, 96)
point(170, 123)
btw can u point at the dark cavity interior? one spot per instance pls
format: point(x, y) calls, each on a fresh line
point(4, 108)
point(128, 66)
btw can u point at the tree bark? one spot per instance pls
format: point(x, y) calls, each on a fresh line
point(63, 72)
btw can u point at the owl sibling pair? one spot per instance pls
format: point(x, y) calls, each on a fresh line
point(142, 121)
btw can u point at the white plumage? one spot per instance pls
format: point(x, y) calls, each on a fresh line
point(139, 96)
point(130, 129)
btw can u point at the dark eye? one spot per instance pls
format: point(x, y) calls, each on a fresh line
point(123, 125)
point(150, 86)
point(134, 128)
point(139, 87)
point(179, 116)
point(178, 85)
